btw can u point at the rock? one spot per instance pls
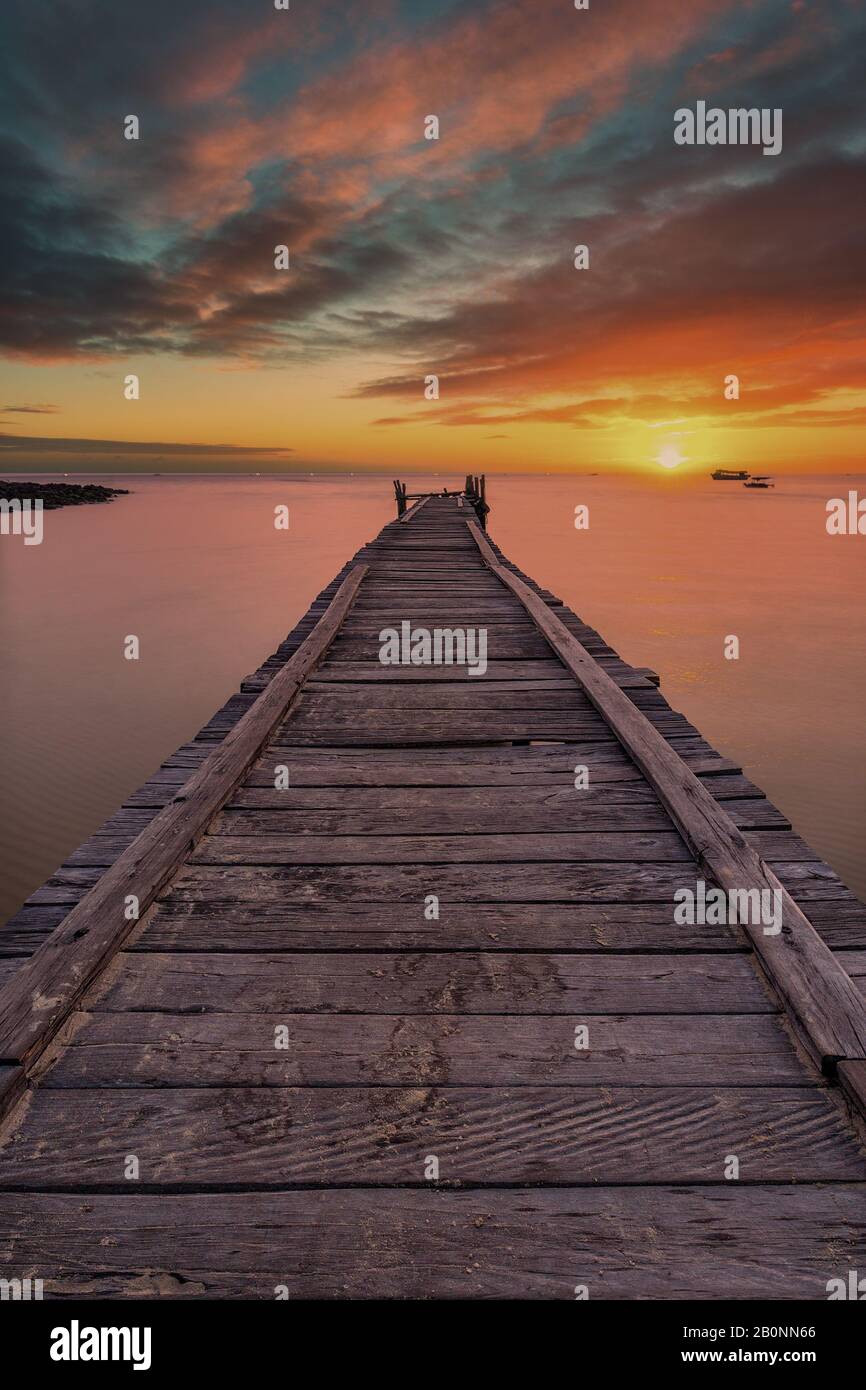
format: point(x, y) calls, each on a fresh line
point(63, 494)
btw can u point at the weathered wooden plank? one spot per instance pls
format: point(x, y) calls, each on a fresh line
point(188, 756)
point(468, 810)
point(447, 765)
point(453, 697)
point(430, 983)
point(505, 642)
point(457, 806)
point(419, 799)
point(182, 923)
point(621, 1243)
point(501, 646)
point(260, 848)
point(449, 544)
point(389, 727)
point(43, 990)
point(807, 882)
point(141, 1049)
point(185, 922)
point(630, 679)
point(609, 771)
point(316, 716)
point(451, 765)
point(822, 1000)
point(630, 847)
point(278, 845)
point(454, 609)
point(387, 550)
point(411, 513)
point(343, 699)
point(364, 673)
point(21, 935)
point(254, 1137)
point(335, 673)
point(388, 594)
point(162, 786)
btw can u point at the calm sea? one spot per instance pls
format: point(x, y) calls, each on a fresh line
point(666, 571)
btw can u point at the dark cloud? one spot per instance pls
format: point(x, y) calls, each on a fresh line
point(65, 291)
point(265, 129)
point(12, 444)
point(758, 266)
point(63, 288)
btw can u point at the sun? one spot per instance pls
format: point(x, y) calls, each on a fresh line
point(669, 456)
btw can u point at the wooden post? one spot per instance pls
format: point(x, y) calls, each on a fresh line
point(400, 492)
point(476, 497)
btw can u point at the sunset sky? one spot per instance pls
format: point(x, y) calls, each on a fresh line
point(305, 127)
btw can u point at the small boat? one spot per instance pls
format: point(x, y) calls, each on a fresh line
point(729, 475)
point(760, 480)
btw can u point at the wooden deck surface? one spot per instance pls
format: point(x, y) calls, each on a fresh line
point(300, 915)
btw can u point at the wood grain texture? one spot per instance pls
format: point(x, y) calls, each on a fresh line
point(641, 1242)
point(430, 983)
point(454, 766)
point(522, 644)
point(612, 843)
point(808, 882)
point(564, 882)
point(603, 808)
point(372, 1136)
point(258, 789)
point(390, 728)
point(261, 848)
point(338, 674)
point(171, 1050)
point(182, 923)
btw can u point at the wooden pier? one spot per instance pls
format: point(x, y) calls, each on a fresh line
point(371, 992)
